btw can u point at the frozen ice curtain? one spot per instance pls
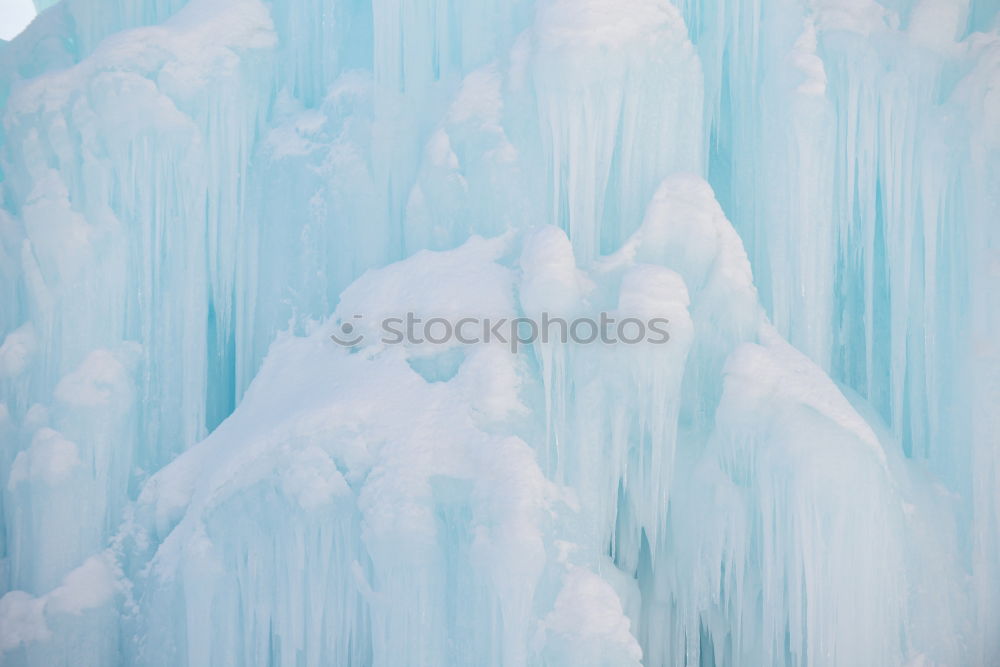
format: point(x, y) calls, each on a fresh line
point(213, 211)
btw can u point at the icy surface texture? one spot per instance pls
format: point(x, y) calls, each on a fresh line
point(196, 194)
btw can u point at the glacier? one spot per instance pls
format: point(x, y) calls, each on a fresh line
point(195, 194)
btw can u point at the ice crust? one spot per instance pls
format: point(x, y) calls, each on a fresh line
point(196, 194)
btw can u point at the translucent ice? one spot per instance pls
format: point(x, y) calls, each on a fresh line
point(196, 194)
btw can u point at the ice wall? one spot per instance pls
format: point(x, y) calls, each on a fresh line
point(196, 194)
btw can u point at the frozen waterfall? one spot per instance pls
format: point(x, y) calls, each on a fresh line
point(196, 196)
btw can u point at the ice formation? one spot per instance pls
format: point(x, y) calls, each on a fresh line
point(194, 194)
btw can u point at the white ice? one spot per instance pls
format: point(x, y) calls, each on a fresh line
point(195, 194)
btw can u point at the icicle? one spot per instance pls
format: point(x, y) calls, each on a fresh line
point(618, 90)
